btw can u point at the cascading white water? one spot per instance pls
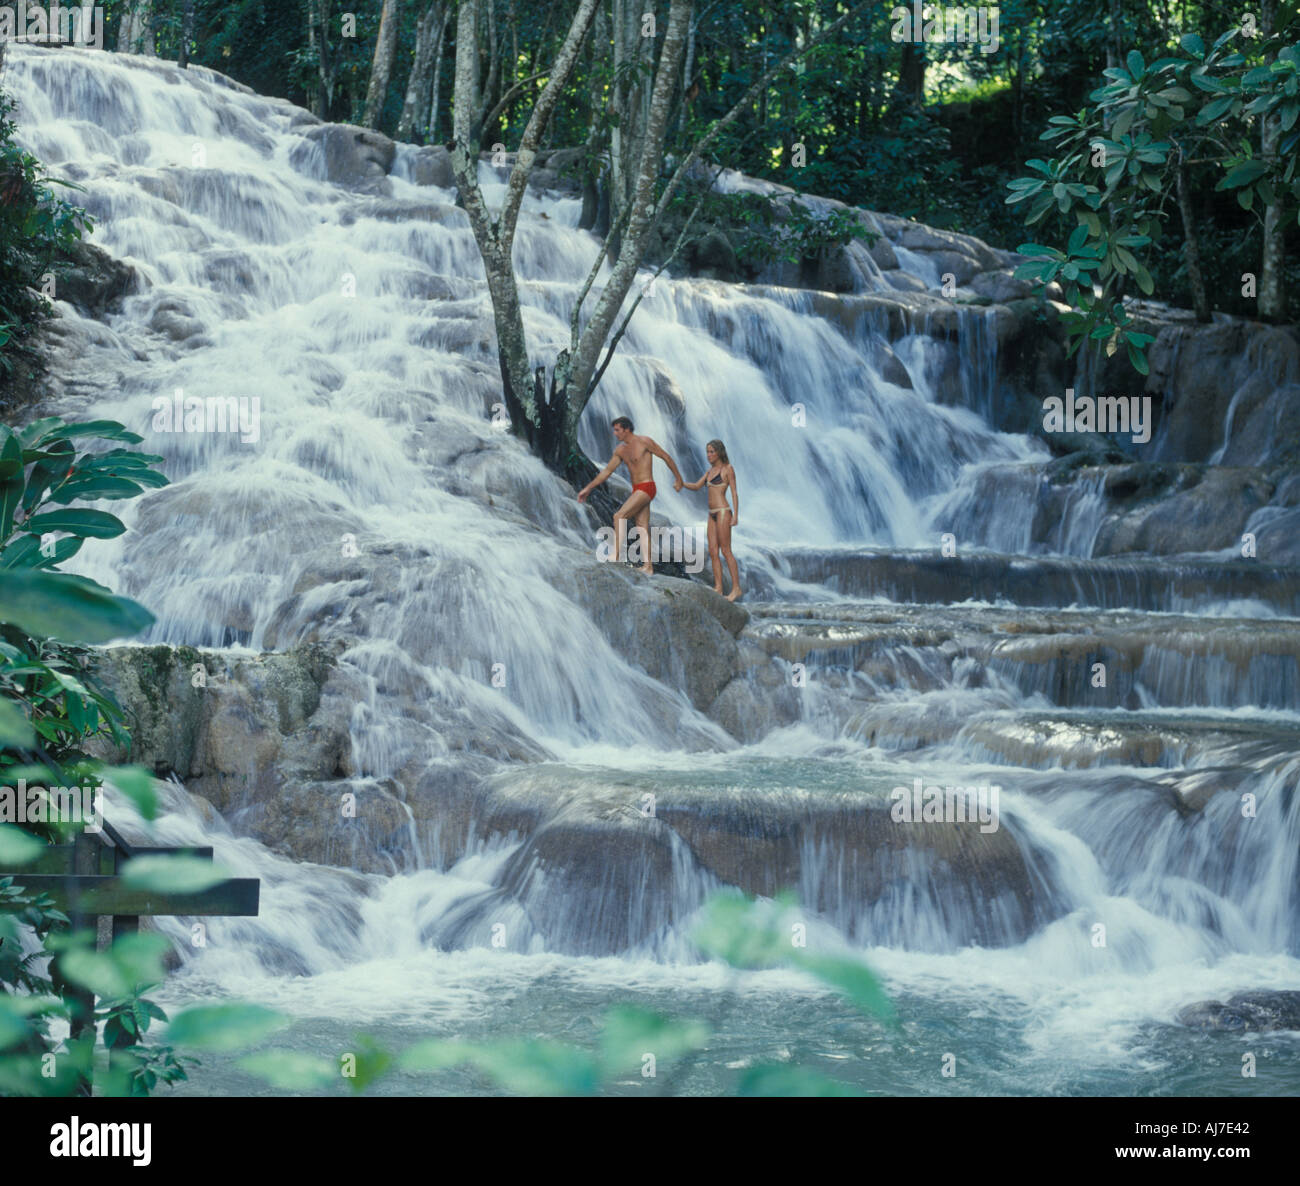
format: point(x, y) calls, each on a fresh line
point(379, 507)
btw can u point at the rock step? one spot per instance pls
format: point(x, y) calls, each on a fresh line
point(1085, 739)
point(1171, 585)
point(1074, 658)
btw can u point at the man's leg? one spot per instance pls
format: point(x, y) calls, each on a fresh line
point(625, 515)
point(643, 526)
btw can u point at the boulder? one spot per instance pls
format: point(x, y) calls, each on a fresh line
point(1001, 287)
point(1262, 1011)
point(94, 282)
point(1180, 509)
point(355, 158)
point(431, 165)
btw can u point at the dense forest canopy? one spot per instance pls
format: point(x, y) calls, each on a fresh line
point(932, 131)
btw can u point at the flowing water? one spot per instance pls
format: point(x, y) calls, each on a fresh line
point(1144, 854)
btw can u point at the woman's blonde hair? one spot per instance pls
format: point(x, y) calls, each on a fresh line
point(721, 450)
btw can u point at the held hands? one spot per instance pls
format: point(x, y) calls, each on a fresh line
point(582, 495)
point(678, 485)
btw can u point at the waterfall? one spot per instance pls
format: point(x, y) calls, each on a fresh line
point(374, 505)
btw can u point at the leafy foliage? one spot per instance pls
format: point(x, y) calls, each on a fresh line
point(51, 707)
point(36, 230)
point(1121, 157)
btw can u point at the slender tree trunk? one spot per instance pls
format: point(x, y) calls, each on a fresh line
point(135, 32)
point(595, 182)
point(419, 87)
point(436, 90)
point(911, 74)
point(381, 70)
point(187, 34)
point(1272, 298)
point(523, 389)
point(1191, 246)
point(318, 40)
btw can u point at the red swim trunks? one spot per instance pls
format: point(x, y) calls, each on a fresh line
point(648, 487)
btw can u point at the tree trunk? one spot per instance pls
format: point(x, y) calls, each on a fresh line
point(1191, 246)
point(1272, 298)
point(595, 187)
point(436, 90)
point(318, 40)
point(187, 32)
point(419, 87)
point(911, 74)
point(135, 32)
point(524, 389)
point(381, 70)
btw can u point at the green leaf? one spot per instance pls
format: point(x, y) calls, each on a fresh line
point(535, 1067)
point(58, 605)
point(137, 783)
point(77, 521)
point(1193, 44)
point(731, 930)
point(786, 1080)
point(1136, 66)
point(11, 497)
point(17, 847)
point(1214, 109)
point(290, 1070)
point(850, 977)
point(1138, 359)
point(139, 957)
point(94, 486)
point(1038, 249)
point(15, 726)
point(107, 430)
point(632, 1033)
point(221, 1028)
point(172, 874)
point(11, 454)
point(95, 970)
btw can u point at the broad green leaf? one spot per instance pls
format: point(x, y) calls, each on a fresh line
point(95, 486)
point(137, 784)
point(224, 1027)
point(58, 605)
point(172, 874)
point(534, 1067)
point(17, 847)
point(290, 1070)
point(848, 976)
point(108, 430)
point(95, 970)
point(632, 1033)
point(140, 957)
point(787, 1080)
point(435, 1054)
point(11, 454)
point(15, 727)
point(77, 521)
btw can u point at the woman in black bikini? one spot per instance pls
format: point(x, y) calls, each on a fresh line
point(720, 476)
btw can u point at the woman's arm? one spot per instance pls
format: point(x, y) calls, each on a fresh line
point(696, 485)
point(735, 498)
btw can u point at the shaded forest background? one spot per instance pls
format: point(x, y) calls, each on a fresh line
point(932, 132)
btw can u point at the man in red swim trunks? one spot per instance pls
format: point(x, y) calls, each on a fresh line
point(638, 454)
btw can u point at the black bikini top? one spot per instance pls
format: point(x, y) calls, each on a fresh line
point(716, 481)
